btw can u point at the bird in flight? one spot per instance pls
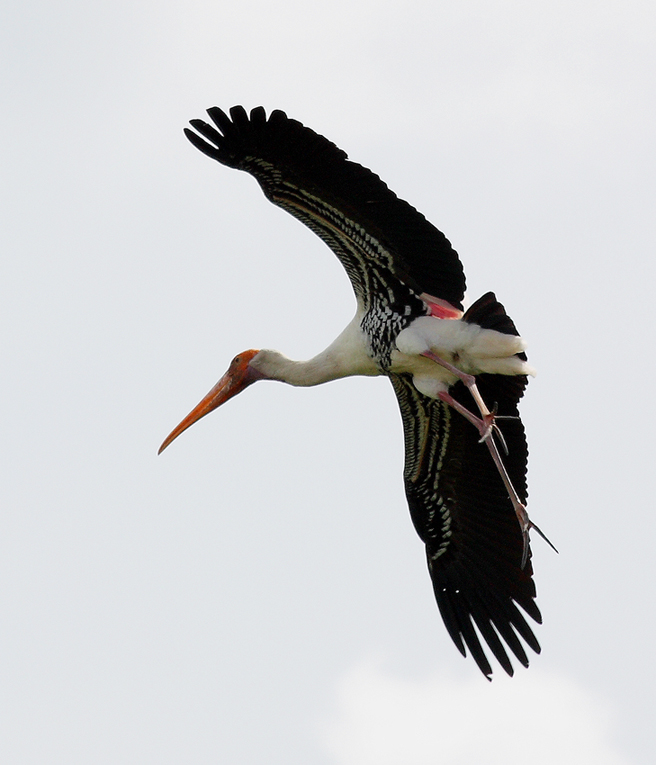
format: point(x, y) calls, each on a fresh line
point(458, 375)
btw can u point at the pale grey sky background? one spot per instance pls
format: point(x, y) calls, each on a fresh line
point(257, 594)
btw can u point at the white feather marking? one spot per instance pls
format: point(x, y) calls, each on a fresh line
point(469, 347)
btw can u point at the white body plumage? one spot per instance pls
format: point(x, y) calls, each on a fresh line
point(468, 347)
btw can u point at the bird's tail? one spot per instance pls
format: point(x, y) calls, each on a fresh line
point(489, 313)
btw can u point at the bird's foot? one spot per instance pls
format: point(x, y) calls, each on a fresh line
point(487, 425)
point(526, 524)
point(532, 525)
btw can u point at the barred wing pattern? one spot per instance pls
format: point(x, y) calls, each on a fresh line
point(460, 509)
point(386, 246)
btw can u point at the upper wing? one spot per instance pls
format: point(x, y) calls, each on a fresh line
point(462, 512)
point(367, 226)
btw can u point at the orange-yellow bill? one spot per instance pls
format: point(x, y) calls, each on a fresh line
point(239, 376)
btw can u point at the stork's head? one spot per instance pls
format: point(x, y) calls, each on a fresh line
point(240, 375)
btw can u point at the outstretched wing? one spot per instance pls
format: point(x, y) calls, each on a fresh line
point(462, 512)
point(382, 241)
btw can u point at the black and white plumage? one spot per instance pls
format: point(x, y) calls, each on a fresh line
point(466, 501)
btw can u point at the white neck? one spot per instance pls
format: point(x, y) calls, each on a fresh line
point(345, 356)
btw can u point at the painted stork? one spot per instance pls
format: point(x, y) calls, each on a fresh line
point(467, 503)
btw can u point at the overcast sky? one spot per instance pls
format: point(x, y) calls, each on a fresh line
point(257, 594)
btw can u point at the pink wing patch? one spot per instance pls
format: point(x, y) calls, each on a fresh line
point(439, 308)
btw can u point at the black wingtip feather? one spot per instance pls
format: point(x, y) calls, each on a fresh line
point(202, 145)
point(238, 114)
point(497, 618)
point(471, 638)
point(450, 620)
point(494, 627)
point(258, 117)
point(282, 154)
point(208, 131)
point(221, 120)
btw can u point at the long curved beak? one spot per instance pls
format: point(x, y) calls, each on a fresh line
point(239, 376)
